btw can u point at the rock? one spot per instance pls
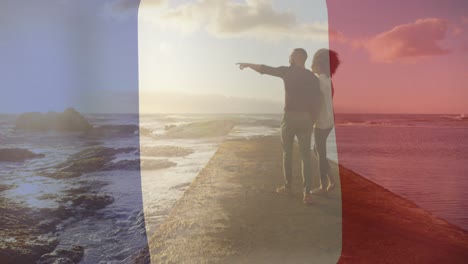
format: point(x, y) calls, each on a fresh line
point(31, 121)
point(48, 196)
point(123, 165)
point(93, 201)
point(54, 214)
point(62, 175)
point(69, 120)
point(28, 250)
point(72, 255)
point(6, 187)
point(86, 161)
point(202, 129)
point(100, 159)
point(156, 164)
point(76, 168)
point(100, 151)
point(78, 190)
point(24, 236)
point(17, 154)
point(181, 186)
point(143, 256)
point(137, 165)
point(85, 165)
point(165, 151)
point(145, 132)
point(62, 212)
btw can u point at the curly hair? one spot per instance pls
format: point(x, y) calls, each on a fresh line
point(327, 58)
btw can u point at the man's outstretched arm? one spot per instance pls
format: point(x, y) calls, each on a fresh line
point(263, 69)
point(255, 67)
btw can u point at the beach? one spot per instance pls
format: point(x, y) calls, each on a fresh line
point(230, 214)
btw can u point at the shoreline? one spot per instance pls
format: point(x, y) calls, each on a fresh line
point(230, 214)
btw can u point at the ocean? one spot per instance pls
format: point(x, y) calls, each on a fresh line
point(420, 157)
point(423, 158)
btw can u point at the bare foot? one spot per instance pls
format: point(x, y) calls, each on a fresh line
point(331, 186)
point(318, 191)
point(283, 190)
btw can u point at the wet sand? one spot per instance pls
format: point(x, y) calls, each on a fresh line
point(230, 214)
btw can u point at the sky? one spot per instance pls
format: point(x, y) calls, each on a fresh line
point(62, 53)
point(189, 49)
point(398, 57)
point(179, 55)
point(401, 56)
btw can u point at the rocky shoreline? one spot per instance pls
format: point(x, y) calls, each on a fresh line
point(31, 235)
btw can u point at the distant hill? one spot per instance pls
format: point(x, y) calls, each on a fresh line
point(176, 102)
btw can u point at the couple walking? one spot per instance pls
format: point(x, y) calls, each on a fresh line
point(308, 108)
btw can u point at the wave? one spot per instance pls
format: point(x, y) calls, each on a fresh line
point(362, 123)
point(113, 130)
point(432, 121)
point(461, 117)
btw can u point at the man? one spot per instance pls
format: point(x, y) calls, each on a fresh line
point(302, 102)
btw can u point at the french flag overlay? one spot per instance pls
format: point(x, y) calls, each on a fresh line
point(404, 72)
point(160, 131)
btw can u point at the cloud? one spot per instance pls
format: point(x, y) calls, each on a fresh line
point(412, 41)
point(464, 19)
point(408, 41)
point(457, 31)
point(225, 18)
point(336, 36)
point(464, 46)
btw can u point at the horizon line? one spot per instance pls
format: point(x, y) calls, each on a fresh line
point(228, 113)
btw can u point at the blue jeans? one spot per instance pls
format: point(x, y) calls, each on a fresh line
point(300, 125)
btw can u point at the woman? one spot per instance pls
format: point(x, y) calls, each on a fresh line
point(324, 65)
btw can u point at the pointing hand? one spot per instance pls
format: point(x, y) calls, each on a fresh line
point(242, 65)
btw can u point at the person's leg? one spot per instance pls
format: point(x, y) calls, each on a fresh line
point(331, 182)
point(304, 137)
point(320, 136)
point(287, 140)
